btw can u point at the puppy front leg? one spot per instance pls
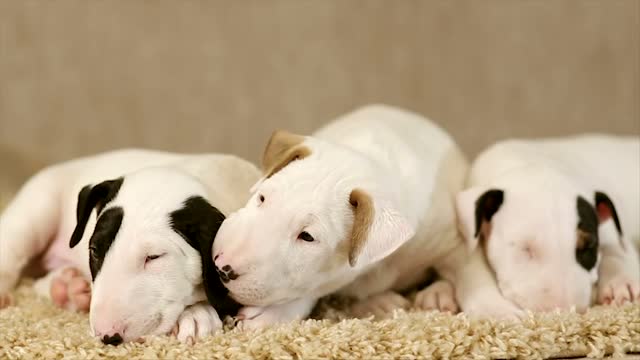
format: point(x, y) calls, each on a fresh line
point(619, 271)
point(258, 317)
point(26, 228)
point(476, 289)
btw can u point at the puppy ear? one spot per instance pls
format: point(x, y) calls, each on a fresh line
point(475, 208)
point(606, 210)
point(283, 148)
point(378, 229)
point(197, 222)
point(89, 198)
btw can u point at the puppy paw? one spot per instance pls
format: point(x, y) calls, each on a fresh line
point(618, 291)
point(196, 322)
point(6, 300)
point(438, 296)
point(7, 283)
point(70, 290)
point(255, 317)
point(496, 308)
point(381, 306)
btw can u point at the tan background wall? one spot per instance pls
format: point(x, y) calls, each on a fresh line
point(78, 77)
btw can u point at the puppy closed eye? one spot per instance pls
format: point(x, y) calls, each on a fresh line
point(151, 258)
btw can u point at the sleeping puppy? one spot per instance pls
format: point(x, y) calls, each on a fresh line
point(552, 217)
point(363, 206)
point(137, 237)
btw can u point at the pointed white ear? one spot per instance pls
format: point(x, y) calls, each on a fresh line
point(378, 229)
point(475, 207)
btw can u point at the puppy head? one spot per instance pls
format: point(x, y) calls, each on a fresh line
point(144, 252)
point(543, 247)
point(315, 219)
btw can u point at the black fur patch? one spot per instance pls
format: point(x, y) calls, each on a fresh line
point(603, 200)
point(198, 223)
point(105, 232)
point(486, 206)
point(89, 198)
point(587, 242)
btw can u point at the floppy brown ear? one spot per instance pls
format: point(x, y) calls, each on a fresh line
point(283, 148)
point(378, 229)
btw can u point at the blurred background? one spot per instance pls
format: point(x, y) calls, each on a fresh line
point(79, 77)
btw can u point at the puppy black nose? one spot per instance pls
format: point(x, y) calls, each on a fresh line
point(115, 339)
point(227, 273)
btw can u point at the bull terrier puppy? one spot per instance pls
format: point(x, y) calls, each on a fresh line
point(363, 206)
point(551, 217)
point(121, 234)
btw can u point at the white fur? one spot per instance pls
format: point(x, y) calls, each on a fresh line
point(408, 165)
point(541, 180)
point(127, 293)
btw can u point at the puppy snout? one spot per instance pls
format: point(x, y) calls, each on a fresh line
point(110, 333)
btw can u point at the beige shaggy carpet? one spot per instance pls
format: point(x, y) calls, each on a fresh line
point(35, 329)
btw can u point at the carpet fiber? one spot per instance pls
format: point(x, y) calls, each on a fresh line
point(35, 329)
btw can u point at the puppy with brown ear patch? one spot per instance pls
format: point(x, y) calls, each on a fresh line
point(547, 219)
point(363, 206)
point(122, 234)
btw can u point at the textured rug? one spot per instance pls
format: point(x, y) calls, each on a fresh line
point(35, 329)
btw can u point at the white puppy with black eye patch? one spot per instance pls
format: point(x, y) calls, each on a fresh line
point(364, 206)
point(135, 222)
point(551, 217)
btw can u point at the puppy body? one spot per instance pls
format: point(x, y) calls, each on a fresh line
point(363, 206)
point(425, 168)
point(528, 208)
point(44, 215)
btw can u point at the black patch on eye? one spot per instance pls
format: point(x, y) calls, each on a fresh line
point(105, 232)
point(587, 234)
point(486, 206)
point(89, 198)
point(198, 223)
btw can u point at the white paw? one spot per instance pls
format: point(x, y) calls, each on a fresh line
point(381, 305)
point(6, 300)
point(494, 306)
point(252, 318)
point(70, 290)
point(438, 296)
point(8, 281)
point(618, 291)
point(195, 322)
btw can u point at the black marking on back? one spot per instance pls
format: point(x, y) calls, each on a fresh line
point(89, 198)
point(105, 232)
point(198, 223)
point(587, 245)
point(602, 199)
point(486, 206)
